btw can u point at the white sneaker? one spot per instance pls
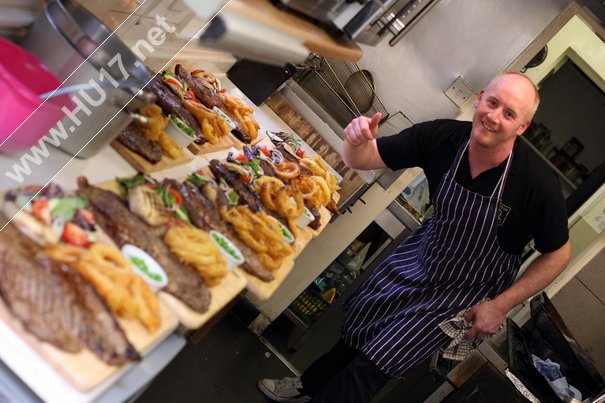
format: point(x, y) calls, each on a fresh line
point(283, 390)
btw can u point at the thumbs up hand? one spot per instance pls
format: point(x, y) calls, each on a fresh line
point(362, 130)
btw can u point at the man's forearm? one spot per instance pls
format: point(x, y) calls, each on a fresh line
point(364, 156)
point(540, 273)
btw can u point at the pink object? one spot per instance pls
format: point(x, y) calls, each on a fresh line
point(22, 78)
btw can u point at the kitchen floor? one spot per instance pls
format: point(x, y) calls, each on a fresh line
point(223, 367)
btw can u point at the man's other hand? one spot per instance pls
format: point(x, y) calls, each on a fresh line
point(487, 319)
point(362, 129)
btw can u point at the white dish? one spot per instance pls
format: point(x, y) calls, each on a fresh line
point(305, 218)
point(230, 252)
point(285, 232)
point(146, 267)
point(178, 131)
point(225, 117)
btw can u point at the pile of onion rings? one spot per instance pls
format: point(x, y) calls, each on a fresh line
point(110, 273)
point(260, 233)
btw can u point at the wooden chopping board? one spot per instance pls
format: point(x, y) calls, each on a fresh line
point(142, 165)
point(237, 143)
point(263, 290)
point(220, 295)
point(224, 143)
point(84, 370)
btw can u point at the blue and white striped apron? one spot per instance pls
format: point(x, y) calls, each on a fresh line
point(450, 263)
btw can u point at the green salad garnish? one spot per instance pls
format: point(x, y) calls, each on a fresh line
point(140, 263)
point(226, 247)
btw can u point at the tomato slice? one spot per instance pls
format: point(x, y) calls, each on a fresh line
point(190, 95)
point(265, 151)
point(74, 235)
point(178, 198)
point(173, 81)
point(300, 153)
point(41, 211)
point(242, 158)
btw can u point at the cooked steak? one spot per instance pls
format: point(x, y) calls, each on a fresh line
point(126, 228)
point(244, 191)
point(171, 104)
point(137, 141)
point(55, 303)
point(206, 95)
point(203, 213)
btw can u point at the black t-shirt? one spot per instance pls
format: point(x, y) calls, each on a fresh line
point(532, 190)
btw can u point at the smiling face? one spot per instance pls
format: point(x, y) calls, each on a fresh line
point(503, 111)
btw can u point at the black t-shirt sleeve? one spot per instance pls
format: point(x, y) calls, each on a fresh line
point(548, 221)
point(416, 145)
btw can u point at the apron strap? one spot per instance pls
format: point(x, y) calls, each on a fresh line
point(500, 185)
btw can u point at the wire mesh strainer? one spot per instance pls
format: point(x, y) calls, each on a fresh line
point(342, 89)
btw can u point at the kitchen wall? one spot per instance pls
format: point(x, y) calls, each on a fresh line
point(468, 38)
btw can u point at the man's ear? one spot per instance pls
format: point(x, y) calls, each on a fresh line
point(478, 99)
point(522, 128)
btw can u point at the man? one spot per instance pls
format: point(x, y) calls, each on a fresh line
point(491, 194)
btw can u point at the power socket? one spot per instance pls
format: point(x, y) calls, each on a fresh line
point(459, 91)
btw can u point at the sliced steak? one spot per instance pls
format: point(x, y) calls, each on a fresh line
point(56, 304)
point(206, 95)
point(126, 228)
point(244, 191)
point(171, 104)
point(203, 213)
point(135, 139)
point(202, 91)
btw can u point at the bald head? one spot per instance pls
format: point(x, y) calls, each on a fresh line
point(524, 84)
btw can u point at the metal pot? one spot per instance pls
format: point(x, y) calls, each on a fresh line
point(78, 48)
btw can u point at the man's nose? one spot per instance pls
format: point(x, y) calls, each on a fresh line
point(495, 114)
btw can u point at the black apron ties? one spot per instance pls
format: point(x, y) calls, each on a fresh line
point(450, 263)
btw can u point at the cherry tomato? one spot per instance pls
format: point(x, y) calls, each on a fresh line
point(74, 235)
point(300, 153)
point(242, 158)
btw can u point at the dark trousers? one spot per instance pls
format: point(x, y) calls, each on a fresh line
point(343, 375)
